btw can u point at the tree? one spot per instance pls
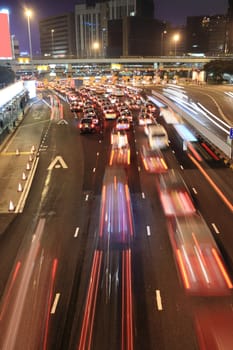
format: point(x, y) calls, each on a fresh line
point(7, 75)
point(216, 69)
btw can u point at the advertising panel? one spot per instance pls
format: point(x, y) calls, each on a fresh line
point(5, 42)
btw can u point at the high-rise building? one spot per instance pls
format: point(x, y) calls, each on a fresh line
point(92, 20)
point(206, 34)
point(145, 8)
point(57, 36)
point(229, 31)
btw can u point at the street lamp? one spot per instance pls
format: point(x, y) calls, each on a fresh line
point(52, 39)
point(29, 14)
point(164, 32)
point(176, 38)
point(96, 46)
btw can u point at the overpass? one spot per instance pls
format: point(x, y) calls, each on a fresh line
point(72, 64)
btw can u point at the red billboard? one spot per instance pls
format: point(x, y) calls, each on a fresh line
point(5, 42)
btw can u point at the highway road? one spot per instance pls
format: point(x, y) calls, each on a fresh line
point(65, 282)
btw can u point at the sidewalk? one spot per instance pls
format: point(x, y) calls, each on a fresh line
point(18, 161)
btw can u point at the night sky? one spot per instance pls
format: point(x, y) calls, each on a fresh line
point(173, 11)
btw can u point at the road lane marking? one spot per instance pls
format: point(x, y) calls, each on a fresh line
point(58, 162)
point(76, 232)
point(87, 196)
point(148, 230)
point(194, 190)
point(215, 228)
point(143, 195)
point(212, 183)
point(57, 296)
point(181, 167)
point(159, 300)
point(94, 169)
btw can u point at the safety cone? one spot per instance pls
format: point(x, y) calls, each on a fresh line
point(11, 206)
point(30, 158)
point(20, 188)
point(28, 166)
point(33, 149)
point(24, 176)
point(17, 152)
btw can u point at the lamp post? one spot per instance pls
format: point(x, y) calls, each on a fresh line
point(52, 40)
point(28, 14)
point(164, 32)
point(176, 38)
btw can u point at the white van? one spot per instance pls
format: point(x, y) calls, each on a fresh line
point(157, 137)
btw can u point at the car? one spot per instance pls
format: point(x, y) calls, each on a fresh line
point(153, 161)
point(86, 125)
point(127, 114)
point(116, 216)
point(109, 113)
point(119, 138)
point(157, 137)
point(122, 123)
point(199, 261)
point(89, 111)
point(174, 194)
point(144, 119)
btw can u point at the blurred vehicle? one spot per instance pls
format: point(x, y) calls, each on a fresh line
point(149, 126)
point(122, 107)
point(199, 261)
point(150, 106)
point(119, 138)
point(120, 155)
point(174, 194)
point(153, 161)
point(118, 92)
point(144, 118)
point(89, 111)
point(86, 125)
point(110, 113)
point(157, 137)
point(116, 219)
point(122, 123)
point(214, 328)
point(127, 114)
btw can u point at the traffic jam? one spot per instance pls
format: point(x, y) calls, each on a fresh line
point(122, 109)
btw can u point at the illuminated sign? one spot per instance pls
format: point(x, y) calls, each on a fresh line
point(5, 42)
point(116, 66)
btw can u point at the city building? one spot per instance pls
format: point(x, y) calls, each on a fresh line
point(57, 36)
point(15, 47)
point(229, 33)
point(207, 35)
point(91, 18)
point(134, 36)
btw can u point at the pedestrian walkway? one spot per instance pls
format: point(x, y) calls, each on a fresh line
point(18, 160)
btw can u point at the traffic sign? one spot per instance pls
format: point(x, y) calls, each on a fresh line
point(231, 133)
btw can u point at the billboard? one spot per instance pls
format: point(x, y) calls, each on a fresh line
point(5, 42)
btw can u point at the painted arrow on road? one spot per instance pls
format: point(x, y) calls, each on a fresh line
point(58, 162)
